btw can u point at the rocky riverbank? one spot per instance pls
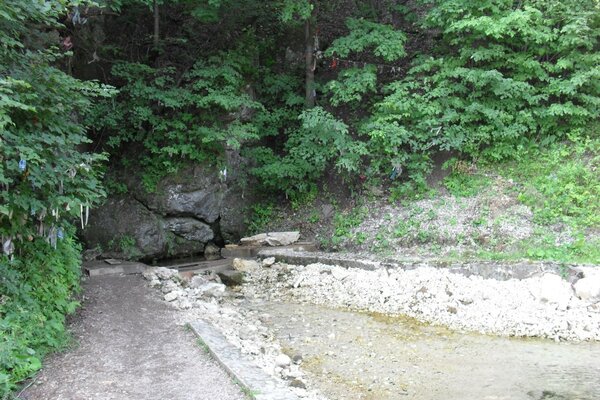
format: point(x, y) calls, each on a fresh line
point(546, 306)
point(205, 297)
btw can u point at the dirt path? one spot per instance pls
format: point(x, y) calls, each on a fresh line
point(130, 348)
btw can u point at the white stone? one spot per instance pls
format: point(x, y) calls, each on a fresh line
point(254, 240)
point(169, 286)
point(197, 281)
point(267, 262)
point(553, 289)
point(171, 296)
point(154, 282)
point(184, 304)
point(212, 289)
point(339, 273)
point(149, 274)
point(243, 265)
point(165, 273)
point(297, 282)
point(282, 360)
point(588, 289)
point(282, 238)
point(271, 239)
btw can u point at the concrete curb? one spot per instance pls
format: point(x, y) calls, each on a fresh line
point(498, 270)
point(305, 258)
point(99, 268)
point(250, 377)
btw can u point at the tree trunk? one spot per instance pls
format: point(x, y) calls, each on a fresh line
point(309, 37)
point(156, 25)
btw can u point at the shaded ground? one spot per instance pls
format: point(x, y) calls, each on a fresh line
point(351, 355)
point(130, 348)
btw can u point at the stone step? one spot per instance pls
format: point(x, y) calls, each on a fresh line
point(247, 251)
point(256, 382)
point(100, 267)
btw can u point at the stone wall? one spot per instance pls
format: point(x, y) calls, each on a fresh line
point(187, 211)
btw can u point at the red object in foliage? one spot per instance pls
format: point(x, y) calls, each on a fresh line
point(362, 177)
point(67, 44)
point(334, 63)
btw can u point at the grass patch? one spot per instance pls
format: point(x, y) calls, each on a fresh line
point(561, 184)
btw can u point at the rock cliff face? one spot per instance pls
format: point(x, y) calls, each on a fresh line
point(187, 211)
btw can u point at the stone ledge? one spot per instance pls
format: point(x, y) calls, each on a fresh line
point(99, 268)
point(252, 379)
point(250, 251)
point(498, 270)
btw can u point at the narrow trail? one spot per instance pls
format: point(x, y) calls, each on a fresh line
point(129, 347)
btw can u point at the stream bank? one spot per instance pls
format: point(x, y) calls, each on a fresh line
point(429, 333)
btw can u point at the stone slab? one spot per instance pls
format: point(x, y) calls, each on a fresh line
point(498, 270)
point(249, 376)
point(214, 265)
point(99, 268)
point(252, 251)
point(305, 258)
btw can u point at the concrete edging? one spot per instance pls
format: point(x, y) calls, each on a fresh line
point(254, 381)
point(498, 270)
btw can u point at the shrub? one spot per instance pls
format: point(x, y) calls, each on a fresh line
point(36, 290)
point(502, 74)
point(320, 139)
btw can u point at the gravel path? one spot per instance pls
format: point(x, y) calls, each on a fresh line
point(130, 347)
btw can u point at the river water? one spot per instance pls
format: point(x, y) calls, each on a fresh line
point(350, 355)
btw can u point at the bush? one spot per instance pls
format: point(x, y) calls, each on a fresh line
point(46, 181)
point(320, 139)
point(36, 290)
point(501, 75)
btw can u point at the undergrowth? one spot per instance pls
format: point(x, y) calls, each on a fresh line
point(561, 186)
point(36, 290)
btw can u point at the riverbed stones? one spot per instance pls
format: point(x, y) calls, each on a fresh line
point(170, 296)
point(552, 288)
point(244, 265)
point(197, 281)
point(164, 273)
point(231, 278)
point(267, 262)
point(588, 289)
point(543, 306)
point(282, 360)
point(211, 289)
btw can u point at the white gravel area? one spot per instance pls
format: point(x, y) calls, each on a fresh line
point(544, 306)
point(205, 298)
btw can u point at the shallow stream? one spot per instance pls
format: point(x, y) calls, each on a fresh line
point(350, 355)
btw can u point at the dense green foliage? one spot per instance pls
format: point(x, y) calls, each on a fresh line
point(193, 117)
point(46, 181)
point(500, 76)
point(494, 76)
point(44, 176)
point(35, 295)
point(313, 146)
